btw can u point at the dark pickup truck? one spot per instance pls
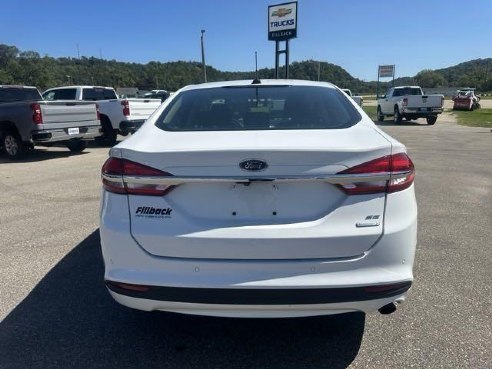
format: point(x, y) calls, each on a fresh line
point(27, 120)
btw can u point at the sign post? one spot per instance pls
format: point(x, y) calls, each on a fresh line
point(282, 26)
point(385, 71)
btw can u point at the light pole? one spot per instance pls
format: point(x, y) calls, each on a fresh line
point(203, 59)
point(256, 64)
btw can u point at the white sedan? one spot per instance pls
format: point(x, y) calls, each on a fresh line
point(276, 198)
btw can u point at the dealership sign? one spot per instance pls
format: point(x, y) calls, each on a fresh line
point(386, 71)
point(282, 21)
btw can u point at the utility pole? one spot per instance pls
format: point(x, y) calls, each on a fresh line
point(203, 59)
point(256, 64)
point(319, 70)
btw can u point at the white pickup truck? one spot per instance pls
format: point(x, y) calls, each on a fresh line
point(358, 99)
point(121, 116)
point(409, 102)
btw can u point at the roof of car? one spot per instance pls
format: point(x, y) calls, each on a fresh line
point(263, 82)
point(80, 86)
point(16, 86)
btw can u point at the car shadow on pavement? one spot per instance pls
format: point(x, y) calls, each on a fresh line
point(40, 155)
point(70, 321)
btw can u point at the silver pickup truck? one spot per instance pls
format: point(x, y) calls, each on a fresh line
point(27, 120)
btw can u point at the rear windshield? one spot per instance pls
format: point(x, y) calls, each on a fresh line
point(259, 108)
point(60, 94)
point(93, 94)
point(11, 94)
point(407, 91)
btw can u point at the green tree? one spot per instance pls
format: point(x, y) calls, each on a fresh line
point(430, 78)
point(7, 54)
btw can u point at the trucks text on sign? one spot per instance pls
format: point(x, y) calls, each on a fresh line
point(282, 21)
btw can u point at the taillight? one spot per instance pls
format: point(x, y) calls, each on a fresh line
point(401, 163)
point(115, 177)
point(126, 107)
point(37, 116)
point(98, 113)
point(405, 101)
point(398, 166)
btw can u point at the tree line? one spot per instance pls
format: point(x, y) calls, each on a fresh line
point(30, 68)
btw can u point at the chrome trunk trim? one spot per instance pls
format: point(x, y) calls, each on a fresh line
point(332, 178)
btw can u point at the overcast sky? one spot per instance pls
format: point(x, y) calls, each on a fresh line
point(358, 35)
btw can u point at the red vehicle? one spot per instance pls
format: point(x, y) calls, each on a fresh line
point(466, 100)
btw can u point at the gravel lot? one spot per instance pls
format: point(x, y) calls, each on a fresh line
point(56, 313)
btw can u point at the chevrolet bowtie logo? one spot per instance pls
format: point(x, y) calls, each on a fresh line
point(281, 12)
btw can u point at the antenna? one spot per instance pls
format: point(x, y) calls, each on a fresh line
point(78, 51)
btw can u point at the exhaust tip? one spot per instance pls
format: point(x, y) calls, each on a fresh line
point(388, 309)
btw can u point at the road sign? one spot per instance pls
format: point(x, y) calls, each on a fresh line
point(386, 71)
point(282, 21)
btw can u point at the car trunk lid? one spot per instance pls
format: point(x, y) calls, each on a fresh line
point(292, 209)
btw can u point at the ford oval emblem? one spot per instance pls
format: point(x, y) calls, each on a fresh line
point(253, 165)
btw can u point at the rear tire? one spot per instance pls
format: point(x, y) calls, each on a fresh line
point(431, 120)
point(380, 115)
point(109, 134)
point(397, 118)
point(76, 145)
point(13, 145)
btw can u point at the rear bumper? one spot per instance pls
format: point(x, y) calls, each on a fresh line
point(462, 104)
point(260, 288)
point(130, 126)
point(61, 134)
point(266, 296)
point(260, 293)
point(256, 311)
point(422, 113)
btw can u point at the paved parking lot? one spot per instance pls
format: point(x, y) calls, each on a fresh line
point(56, 313)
